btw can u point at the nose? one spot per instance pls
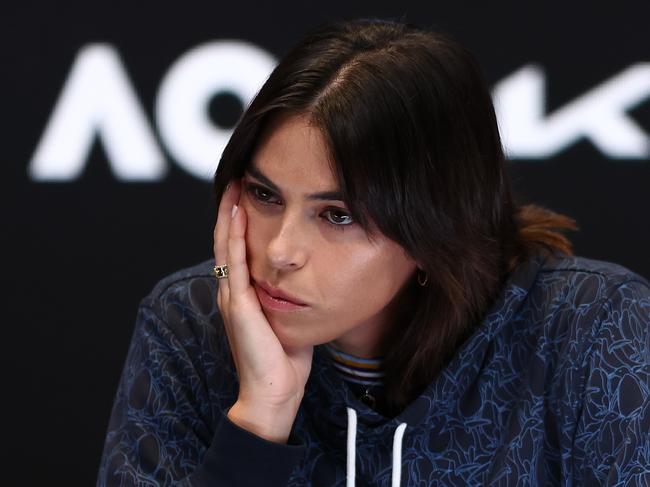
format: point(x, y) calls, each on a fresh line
point(287, 249)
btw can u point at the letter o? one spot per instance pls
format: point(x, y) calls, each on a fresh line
point(181, 105)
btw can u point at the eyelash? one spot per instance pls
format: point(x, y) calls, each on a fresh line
point(254, 190)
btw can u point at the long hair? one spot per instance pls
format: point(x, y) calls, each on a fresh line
point(414, 145)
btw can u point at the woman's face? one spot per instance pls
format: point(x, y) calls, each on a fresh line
point(306, 245)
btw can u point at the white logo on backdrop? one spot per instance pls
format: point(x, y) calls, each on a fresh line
point(98, 100)
point(181, 107)
point(599, 115)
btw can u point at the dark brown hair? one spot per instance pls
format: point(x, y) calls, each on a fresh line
point(416, 150)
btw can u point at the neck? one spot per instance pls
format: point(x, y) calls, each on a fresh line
point(360, 351)
point(333, 347)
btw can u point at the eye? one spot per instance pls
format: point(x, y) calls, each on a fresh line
point(260, 194)
point(338, 218)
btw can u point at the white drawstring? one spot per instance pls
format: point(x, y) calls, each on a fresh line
point(352, 446)
point(397, 455)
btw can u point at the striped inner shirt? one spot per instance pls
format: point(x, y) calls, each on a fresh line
point(366, 372)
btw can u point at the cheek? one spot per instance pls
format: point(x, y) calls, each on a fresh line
point(370, 279)
point(363, 280)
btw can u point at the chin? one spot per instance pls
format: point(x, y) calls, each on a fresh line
point(291, 335)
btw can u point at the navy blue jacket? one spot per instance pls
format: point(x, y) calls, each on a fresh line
point(553, 388)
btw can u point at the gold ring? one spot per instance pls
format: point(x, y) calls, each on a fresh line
point(221, 271)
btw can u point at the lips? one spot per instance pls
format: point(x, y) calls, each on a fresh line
point(278, 293)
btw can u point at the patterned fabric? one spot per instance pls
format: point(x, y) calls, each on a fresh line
point(553, 388)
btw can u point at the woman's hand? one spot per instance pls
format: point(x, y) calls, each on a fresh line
point(271, 377)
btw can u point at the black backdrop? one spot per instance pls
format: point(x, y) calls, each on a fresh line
point(81, 252)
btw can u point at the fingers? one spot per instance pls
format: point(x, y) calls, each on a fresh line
point(222, 228)
point(238, 267)
point(220, 248)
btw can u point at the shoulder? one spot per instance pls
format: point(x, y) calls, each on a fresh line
point(577, 306)
point(188, 291)
point(578, 269)
point(582, 282)
point(182, 311)
point(199, 274)
point(596, 312)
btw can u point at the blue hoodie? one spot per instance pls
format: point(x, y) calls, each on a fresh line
point(552, 388)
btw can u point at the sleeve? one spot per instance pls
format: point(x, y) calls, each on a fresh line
point(612, 440)
point(161, 431)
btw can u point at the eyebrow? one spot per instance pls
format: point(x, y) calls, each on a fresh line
point(324, 195)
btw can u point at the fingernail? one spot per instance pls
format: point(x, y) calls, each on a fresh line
point(234, 211)
point(228, 186)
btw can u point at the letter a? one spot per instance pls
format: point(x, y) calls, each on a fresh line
point(97, 100)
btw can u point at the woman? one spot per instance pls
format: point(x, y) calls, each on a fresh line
point(385, 314)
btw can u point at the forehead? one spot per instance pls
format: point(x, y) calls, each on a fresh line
point(293, 153)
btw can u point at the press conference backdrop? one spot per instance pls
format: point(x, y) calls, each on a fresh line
point(114, 117)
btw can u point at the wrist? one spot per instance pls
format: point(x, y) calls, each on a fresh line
point(273, 423)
